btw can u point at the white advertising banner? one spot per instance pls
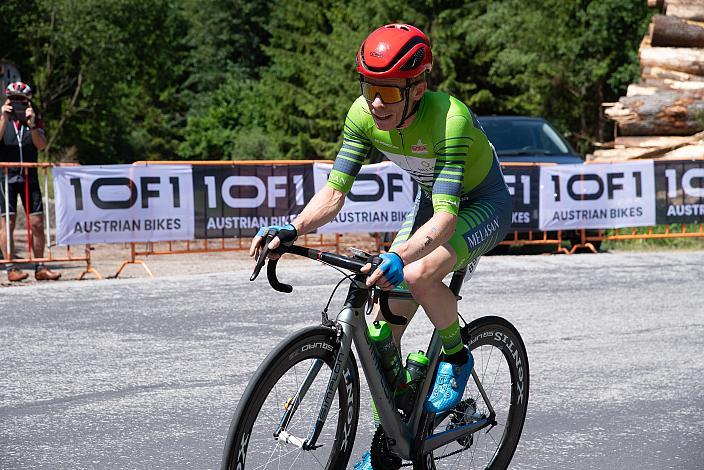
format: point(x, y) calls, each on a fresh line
point(379, 200)
point(123, 203)
point(597, 196)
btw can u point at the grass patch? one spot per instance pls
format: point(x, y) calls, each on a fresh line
point(653, 244)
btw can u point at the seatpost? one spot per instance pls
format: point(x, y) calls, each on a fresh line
point(456, 282)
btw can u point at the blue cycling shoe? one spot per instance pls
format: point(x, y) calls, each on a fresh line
point(449, 385)
point(365, 463)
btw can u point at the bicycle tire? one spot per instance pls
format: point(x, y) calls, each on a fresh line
point(299, 349)
point(483, 336)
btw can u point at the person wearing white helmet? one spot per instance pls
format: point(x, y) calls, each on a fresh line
point(22, 137)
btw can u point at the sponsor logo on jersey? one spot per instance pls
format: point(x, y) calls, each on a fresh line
point(419, 147)
point(385, 143)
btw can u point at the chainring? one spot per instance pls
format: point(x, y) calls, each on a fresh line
point(382, 457)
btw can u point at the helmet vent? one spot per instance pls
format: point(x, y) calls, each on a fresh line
point(415, 60)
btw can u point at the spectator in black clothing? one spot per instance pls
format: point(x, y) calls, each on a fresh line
point(22, 139)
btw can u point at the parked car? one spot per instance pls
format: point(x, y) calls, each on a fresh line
point(524, 139)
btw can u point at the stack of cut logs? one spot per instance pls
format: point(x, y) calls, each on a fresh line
point(663, 115)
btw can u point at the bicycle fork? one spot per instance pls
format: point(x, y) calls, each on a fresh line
point(291, 406)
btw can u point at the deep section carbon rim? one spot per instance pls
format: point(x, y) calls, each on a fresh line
point(501, 364)
point(274, 391)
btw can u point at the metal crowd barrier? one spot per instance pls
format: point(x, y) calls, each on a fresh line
point(586, 240)
point(634, 233)
point(219, 245)
point(51, 256)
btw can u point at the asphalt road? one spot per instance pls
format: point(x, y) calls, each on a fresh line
point(145, 374)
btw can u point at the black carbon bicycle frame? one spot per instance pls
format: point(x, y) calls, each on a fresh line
point(405, 438)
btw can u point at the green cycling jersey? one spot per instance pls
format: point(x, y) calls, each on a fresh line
point(444, 149)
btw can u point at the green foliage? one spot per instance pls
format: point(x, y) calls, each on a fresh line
point(106, 75)
point(130, 80)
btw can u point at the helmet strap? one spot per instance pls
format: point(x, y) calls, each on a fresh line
point(406, 114)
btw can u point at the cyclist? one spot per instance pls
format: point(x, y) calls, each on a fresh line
point(461, 211)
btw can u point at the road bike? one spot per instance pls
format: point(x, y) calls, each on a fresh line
point(301, 407)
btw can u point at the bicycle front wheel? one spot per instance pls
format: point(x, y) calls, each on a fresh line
point(256, 440)
point(501, 365)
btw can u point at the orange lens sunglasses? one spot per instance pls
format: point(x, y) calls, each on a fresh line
point(388, 94)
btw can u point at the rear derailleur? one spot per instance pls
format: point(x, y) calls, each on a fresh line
point(463, 414)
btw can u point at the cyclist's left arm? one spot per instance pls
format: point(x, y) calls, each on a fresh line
point(429, 236)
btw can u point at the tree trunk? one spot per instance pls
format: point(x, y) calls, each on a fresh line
point(680, 59)
point(672, 31)
point(643, 89)
point(656, 4)
point(652, 86)
point(618, 154)
point(687, 9)
point(649, 141)
point(663, 113)
point(659, 74)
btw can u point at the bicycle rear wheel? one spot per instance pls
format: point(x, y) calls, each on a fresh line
point(501, 364)
point(251, 443)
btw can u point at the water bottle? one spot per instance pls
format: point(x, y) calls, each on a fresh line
point(416, 368)
point(383, 341)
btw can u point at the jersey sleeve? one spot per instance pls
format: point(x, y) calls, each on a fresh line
point(355, 147)
point(451, 158)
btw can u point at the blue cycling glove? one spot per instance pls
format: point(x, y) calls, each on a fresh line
point(287, 234)
point(392, 267)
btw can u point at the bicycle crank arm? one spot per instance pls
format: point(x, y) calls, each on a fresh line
point(438, 440)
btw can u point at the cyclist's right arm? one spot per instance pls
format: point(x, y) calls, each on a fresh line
point(328, 202)
point(321, 209)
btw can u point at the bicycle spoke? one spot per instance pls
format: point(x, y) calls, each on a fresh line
point(494, 373)
point(273, 396)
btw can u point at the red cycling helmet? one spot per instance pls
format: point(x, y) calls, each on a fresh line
point(395, 51)
point(18, 89)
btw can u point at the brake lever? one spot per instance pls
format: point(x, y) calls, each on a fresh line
point(268, 237)
point(381, 296)
point(375, 261)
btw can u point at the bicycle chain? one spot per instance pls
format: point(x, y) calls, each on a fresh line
point(384, 459)
point(410, 464)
